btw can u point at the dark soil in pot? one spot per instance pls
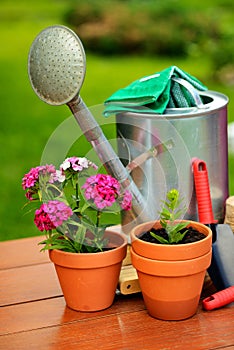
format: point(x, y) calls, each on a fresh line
point(191, 236)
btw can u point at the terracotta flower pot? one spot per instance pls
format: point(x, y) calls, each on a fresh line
point(171, 276)
point(89, 280)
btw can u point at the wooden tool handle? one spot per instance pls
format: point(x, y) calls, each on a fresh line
point(229, 214)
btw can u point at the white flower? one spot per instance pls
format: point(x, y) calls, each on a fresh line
point(66, 164)
point(84, 162)
point(59, 176)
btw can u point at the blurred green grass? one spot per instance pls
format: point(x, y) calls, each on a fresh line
point(27, 123)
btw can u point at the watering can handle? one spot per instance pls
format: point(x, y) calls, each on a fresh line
point(143, 157)
point(151, 153)
point(192, 91)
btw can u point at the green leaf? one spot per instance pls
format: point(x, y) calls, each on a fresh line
point(159, 238)
point(165, 213)
point(171, 212)
point(84, 207)
point(80, 234)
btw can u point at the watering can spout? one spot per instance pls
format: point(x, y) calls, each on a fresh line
point(59, 86)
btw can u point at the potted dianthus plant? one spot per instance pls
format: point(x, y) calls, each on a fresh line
point(70, 205)
point(171, 257)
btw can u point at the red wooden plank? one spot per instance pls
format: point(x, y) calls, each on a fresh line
point(131, 331)
point(52, 312)
point(28, 283)
point(25, 251)
point(21, 252)
point(37, 318)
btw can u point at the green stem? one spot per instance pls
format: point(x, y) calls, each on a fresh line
point(77, 195)
point(98, 218)
point(49, 237)
point(72, 244)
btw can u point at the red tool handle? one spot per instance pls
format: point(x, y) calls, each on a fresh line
point(202, 188)
point(219, 299)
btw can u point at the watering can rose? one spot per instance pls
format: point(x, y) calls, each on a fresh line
point(69, 212)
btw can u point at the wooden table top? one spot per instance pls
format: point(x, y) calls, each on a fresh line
point(33, 314)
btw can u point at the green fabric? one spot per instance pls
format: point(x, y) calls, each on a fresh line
point(154, 93)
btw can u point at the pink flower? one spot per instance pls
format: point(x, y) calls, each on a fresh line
point(42, 220)
point(32, 177)
point(126, 203)
point(30, 194)
point(77, 164)
point(102, 189)
point(51, 215)
point(30, 181)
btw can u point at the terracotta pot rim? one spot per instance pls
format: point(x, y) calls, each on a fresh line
point(91, 260)
point(159, 251)
point(170, 246)
point(171, 268)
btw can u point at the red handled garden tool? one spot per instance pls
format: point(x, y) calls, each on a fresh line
point(219, 299)
point(221, 270)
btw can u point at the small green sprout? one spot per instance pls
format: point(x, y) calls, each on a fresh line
point(172, 211)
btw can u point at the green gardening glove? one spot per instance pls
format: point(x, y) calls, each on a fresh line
point(154, 93)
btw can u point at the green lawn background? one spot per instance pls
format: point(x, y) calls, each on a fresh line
point(27, 123)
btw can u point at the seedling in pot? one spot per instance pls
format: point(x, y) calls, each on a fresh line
point(170, 214)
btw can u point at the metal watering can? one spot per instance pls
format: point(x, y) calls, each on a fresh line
point(194, 132)
point(56, 67)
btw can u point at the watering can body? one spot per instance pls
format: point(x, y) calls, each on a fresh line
point(182, 133)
